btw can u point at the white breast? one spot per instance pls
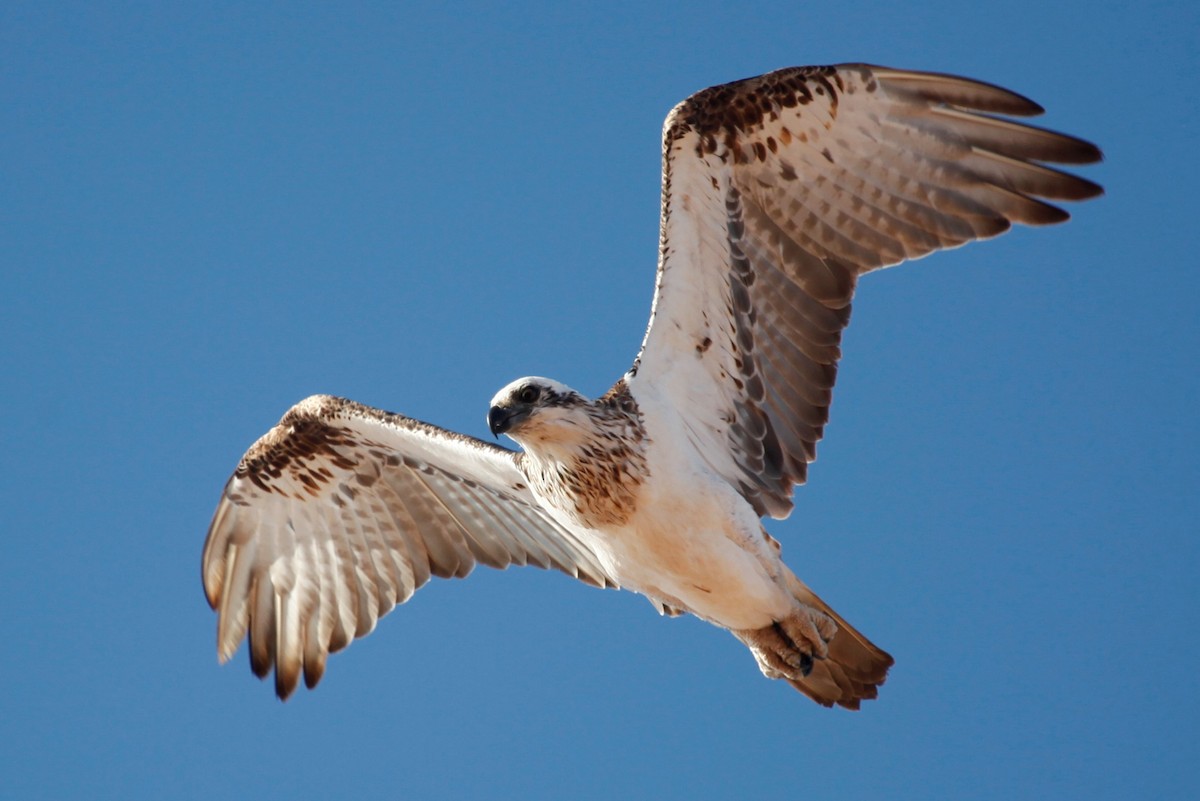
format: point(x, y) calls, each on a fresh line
point(693, 541)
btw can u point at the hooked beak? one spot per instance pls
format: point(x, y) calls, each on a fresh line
point(500, 419)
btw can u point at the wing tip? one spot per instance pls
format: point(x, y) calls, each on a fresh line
point(1085, 152)
point(287, 679)
point(1064, 148)
point(955, 90)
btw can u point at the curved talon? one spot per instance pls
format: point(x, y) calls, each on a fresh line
point(788, 648)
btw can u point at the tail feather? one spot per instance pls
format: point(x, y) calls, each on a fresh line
point(855, 666)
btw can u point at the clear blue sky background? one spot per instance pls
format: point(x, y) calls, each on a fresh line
point(208, 212)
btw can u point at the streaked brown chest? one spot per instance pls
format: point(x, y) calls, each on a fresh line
point(595, 483)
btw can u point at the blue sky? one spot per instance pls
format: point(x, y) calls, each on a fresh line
point(210, 211)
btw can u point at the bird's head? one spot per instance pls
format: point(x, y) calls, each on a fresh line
point(534, 409)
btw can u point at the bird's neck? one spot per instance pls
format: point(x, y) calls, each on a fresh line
point(592, 476)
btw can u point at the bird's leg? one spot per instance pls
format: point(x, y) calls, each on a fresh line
point(786, 648)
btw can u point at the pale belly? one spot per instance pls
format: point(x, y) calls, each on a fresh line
point(693, 553)
point(676, 531)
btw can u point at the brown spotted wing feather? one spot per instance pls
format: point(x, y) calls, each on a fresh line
point(342, 511)
point(778, 193)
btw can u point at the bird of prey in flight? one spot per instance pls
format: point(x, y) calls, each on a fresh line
point(778, 193)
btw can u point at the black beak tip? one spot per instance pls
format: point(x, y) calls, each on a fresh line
point(497, 420)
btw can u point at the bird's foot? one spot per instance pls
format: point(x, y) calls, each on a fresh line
point(786, 649)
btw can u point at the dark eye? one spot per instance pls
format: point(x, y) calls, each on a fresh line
point(527, 394)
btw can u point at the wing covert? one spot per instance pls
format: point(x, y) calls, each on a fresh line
point(341, 512)
point(778, 193)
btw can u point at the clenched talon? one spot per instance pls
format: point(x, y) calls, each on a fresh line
point(788, 648)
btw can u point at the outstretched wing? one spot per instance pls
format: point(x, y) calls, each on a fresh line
point(778, 193)
point(342, 511)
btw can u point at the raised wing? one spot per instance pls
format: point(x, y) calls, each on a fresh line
point(342, 511)
point(778, 193)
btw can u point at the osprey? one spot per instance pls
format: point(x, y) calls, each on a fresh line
point(778, 193)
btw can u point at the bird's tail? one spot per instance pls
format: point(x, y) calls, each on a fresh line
point(855, 666)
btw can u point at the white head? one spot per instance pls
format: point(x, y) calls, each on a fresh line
point(535, 409)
